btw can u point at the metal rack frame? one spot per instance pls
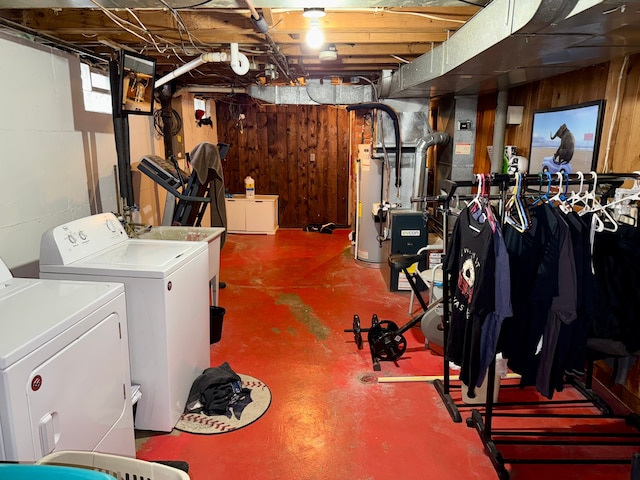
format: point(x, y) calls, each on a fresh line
point(482, 421)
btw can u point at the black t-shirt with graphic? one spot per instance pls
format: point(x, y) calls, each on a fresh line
point(471, 266)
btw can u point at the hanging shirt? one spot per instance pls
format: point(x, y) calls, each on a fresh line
point(470, 264)
point(616, 260)
point(571, 350)
point(533, 259)
point(563, 307)
point(502, 304)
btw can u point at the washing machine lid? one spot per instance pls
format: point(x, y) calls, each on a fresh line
point(133, 258)
point(34, 311)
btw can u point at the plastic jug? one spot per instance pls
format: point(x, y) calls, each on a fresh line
point(249, 186)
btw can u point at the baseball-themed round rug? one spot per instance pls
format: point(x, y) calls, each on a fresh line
point(242, 413)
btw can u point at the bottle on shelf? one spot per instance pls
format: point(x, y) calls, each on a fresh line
point(249, 187)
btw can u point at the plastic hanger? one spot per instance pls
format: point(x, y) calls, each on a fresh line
point(611, 225)
point(545, 196)
point(516, 213)
point(480, 202)
point(578, 197)
point(590, 195)
point(587, 200)
point(559, 196)
point(487, 206)
point(599, 221)
point(564, 204)
point(475, 203)
point(625, 207)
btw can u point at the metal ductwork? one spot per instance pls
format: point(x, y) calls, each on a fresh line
point(419, 181)
point(316, 92)
point(512, 42)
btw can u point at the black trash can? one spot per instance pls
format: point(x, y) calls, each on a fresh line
point(216, 316)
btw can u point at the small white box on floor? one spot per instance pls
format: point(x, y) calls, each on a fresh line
point(481, 392)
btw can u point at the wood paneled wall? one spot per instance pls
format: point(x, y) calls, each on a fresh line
point(617, 82)
point(576, 87)
point(623, 101)
point(300, 153)
point(484, 132)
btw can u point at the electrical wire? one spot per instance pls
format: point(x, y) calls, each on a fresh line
point(400, 59)
point(128, 26)
point(158, 122)
point(375, 90)
point(144, 27)
point(119, 21)
point(180, 23)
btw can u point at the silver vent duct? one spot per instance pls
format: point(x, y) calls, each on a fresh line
point(419, 180)
point(512, 42)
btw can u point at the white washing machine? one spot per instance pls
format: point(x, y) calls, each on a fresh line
point(167, 294)
point(64, 368)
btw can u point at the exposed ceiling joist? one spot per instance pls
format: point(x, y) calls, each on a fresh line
point(366, 36)
point(425, 49)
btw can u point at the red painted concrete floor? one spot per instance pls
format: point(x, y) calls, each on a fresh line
point(288, 299)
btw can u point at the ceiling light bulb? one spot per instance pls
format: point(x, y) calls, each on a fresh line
point(313, 12)
point(315, 37)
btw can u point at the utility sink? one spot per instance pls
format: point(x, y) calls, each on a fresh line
point(211, 235)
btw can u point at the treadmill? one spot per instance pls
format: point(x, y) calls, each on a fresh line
point(187, 200)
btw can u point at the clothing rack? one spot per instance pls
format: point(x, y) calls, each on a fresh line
point(482, 421)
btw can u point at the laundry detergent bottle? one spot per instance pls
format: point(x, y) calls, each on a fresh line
point(249, 187)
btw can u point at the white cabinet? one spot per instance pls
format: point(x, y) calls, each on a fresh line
point(252, 215)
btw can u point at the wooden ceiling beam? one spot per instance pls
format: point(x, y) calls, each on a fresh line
point(162, 20)
point(366, 39)
point(399, 42)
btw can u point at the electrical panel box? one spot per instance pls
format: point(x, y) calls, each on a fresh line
point(408, 235)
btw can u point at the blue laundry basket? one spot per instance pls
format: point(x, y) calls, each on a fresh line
point(117, 467)
point(9, 471)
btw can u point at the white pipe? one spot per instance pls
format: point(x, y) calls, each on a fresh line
point(239, 64)
point(239, 61)
point(187, 67)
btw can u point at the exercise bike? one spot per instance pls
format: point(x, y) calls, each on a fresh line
point(386, 340)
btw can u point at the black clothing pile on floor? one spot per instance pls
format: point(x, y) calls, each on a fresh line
point(321, 228)
point(218, 391)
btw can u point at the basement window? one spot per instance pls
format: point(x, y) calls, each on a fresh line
point(95, 90)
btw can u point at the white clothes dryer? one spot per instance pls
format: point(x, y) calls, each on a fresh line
point(166, 290)
point(64, 368)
